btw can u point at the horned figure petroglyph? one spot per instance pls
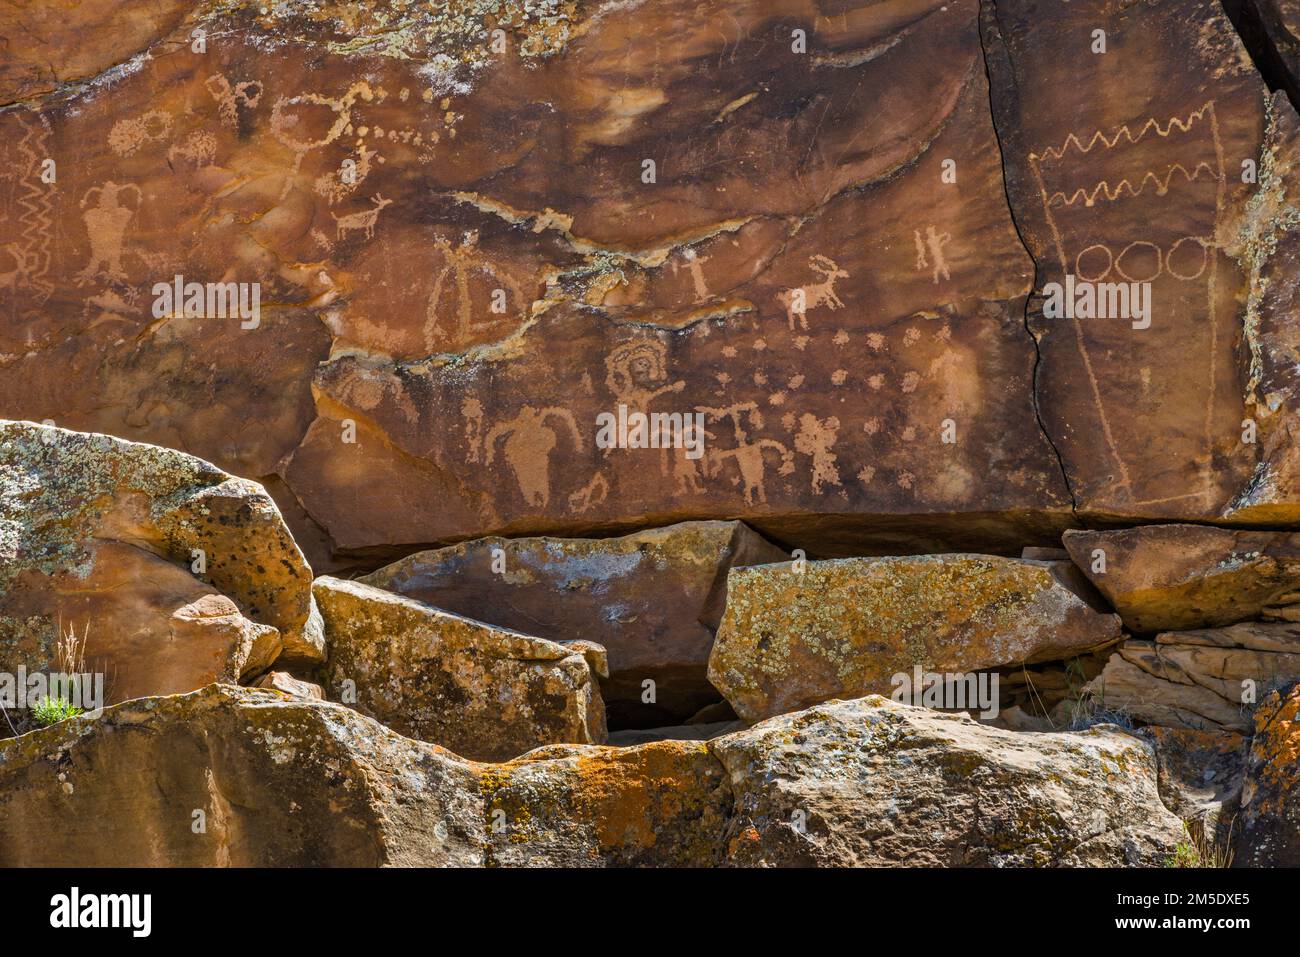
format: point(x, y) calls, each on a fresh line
point(798, 301)
point(364, 221)
point(747, 454)
point(461, 264)
point(106, 227)
point(932, 244)
point(528, 444)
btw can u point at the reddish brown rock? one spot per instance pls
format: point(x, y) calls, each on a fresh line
point(174, 573)
point(486, 693)
point(286, 683)
point(499, 274)
point(1167, 577)
point(652, 599)
point(1127, 166)
point(795, 637)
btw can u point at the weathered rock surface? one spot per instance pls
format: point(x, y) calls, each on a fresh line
point(284, 682)
point(1270, 814)
point(1206, 679)
point(101, 537)
point(1127, 166)
point(497, 272)
point(842, 628)
point(871, 782)
point(653, 599)
point(484, 692)
point(1166, 577)
point(280, 782)
point(289, 781)
point(1200, 777)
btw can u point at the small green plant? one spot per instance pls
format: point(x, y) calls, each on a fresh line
point(1199, 851)
point(53, 710)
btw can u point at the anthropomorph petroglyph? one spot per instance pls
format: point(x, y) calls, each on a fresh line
point(363, 221)
point(929, 252)
point(800, 300)
point(451, 295)
point(528, 444)
point(747, 453)
point(815, 438)
point(106, 225)
point(230, 98)
point(695, 263)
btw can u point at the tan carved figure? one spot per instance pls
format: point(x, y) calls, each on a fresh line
point(230, 98)
point(364, 221)
point(451, 287)
point(106, 227)
point(929, 252)
point(816, 437)
point(528, 444)
point(798, 301)
point(747, 454)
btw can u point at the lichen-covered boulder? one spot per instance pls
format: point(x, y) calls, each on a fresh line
point(1175, 577)
point(872, 782)
point(174, 573)
point(485, 692)
point(1270, 814)
point(1200, 778)
point(653, 599)
point(796, 634)
point(663, 804)
point(238, 777)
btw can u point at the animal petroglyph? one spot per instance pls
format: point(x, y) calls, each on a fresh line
point(230, 98)
point(106, 223)
point(130, 136)
point(929, 252)
point(798, 301)
point(452, 287)
point(363, 221)
point(528, 444)
point(747, 453)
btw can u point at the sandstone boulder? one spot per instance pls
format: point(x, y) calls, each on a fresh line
point(1207, 679)
point(1166, 577)
point(1200, 778)
point(1270, 815)
point(174, 573)
point(653, 599)
point(792, 638)
point(484, 692)
point(286, 683)
point(875, 783)
point(275, 781)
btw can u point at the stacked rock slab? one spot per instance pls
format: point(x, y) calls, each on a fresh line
point(796, 634)
point(174, 573)
point(285, 781)
point(485, 692)
point(653, 599)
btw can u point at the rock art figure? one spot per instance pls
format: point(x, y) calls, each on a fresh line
point(528, 444)
point(106, 225)
point(452, 287)
point(929, 252)
point(230, 98)
point(798, 301)
point(747, 453)
point(364, 221)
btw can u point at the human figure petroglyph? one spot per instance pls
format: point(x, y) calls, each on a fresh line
point(528, 444)
point(816, 438)
point(637, 374)
point(106, 224)
point(461, 263)
point(695, 263)
point(283, 123)
point(229, 98)
point(748, 454)
point(364, 221)
point(799, 300)
point(472, 410)
point(929, 252)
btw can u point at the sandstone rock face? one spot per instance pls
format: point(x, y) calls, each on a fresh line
point(1126, 166)
point(286, 683)
point(652, 599)
point(843, 628)
point(484, 692)
point(871, 782)
point(1166, 577)
point(1270, 815)
point(1200, 679)
point(1200, 778)
point(280, 782)
point(498, 269)
point(100, 537)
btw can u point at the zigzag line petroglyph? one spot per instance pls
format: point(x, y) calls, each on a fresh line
point(1123, 132)
point(37, 216)
point(1125, 185)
